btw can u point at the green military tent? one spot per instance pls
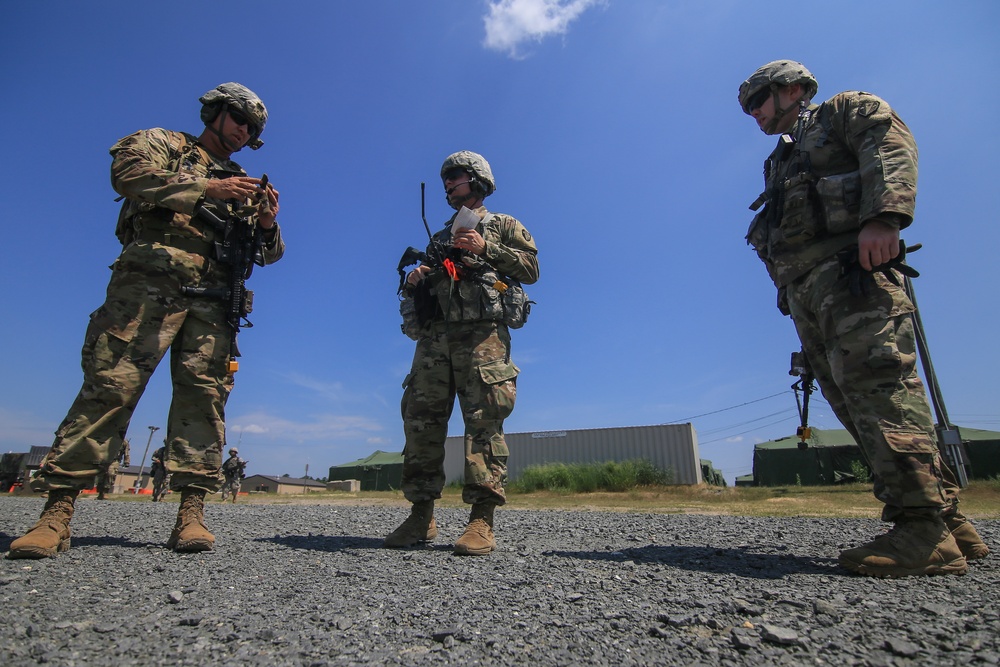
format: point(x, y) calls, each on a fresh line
point(832, 457)
point(711, 475)
point(379, 471)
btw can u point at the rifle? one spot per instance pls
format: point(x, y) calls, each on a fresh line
point(441, 255)
point(802, 369)
point(239, 250)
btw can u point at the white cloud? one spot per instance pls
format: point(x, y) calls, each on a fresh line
point(324, 428)
point(512, 22)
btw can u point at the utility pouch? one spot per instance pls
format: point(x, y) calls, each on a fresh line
point(418, 307)
point(757, 234)
point(410, 325)
point(840, 201)
point(516, 306)
point(800, 220)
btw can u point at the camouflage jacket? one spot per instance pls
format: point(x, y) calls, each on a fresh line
point(510, 253)
point(163, 176)
point(234, 467)
point(843, 163)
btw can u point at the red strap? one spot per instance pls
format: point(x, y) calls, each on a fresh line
point(452, 270)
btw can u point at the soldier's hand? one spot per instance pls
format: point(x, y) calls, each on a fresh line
point(417, 274)
point(237, 187)
point(267, 207)
point(878, 243)
point(471, 240)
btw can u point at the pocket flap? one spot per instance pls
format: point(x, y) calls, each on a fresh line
point(495, 372)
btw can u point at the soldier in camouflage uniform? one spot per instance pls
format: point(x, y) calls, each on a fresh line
point(158, 471)
point(839, 187)
point(232, 470)
point(163, 176)
point(463, 348)
point(109, 473)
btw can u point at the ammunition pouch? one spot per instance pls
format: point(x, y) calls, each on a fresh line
point(799, 217)
point(839, 198)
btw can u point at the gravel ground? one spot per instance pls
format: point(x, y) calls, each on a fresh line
point(310, 585)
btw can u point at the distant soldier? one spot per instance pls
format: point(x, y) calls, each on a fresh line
point(188, 210)
point(234, 471)
point(161, 477)
point(108, 475)
point(839, 187)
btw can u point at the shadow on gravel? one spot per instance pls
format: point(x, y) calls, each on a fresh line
point(84, 541)
point(711, 559)
point(323, 542)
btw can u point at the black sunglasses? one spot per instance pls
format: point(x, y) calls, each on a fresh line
point(453, 173)
point(240, 119)
point(758, 99)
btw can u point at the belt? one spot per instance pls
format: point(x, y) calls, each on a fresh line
point(181, 242)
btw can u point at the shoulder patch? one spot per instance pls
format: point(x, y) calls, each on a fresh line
point(868, 107)
point(525, 234)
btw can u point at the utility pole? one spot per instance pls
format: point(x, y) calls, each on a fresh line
point(138, 479)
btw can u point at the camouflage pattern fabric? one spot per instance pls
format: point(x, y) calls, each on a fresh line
point(471, 360)
point(145, 315)
point(232, 471)
point(161, 478)
point(105, 482)
point(820, 210)
point(852, 160)
point(863, 353)
point(469, 357)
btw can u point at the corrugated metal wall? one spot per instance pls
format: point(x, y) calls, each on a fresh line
point(667, 446)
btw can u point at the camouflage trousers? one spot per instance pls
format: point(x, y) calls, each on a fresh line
point(470, 360)
point(143, 316)
point(231, 487)
point(106, 477)
point(862, 351)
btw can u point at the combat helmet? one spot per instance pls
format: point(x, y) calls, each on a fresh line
point(242, 99)
point(233, 450)
point(475, 164)
point(777, 73)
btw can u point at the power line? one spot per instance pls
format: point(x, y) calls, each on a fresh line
point(749, 421)
point(743, 432)
point(715, 412)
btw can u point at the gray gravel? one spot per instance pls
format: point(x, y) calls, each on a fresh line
point(310, 585)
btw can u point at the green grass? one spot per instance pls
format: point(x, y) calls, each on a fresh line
point(590, 477)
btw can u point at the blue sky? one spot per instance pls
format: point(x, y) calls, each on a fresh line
point(615, 137)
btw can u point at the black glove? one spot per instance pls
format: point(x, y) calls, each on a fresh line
point(859, 280)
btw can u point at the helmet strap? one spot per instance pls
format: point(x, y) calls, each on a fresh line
point(779, 113)
point(216, 127)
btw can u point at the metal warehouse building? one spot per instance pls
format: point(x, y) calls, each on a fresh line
point(671, 447)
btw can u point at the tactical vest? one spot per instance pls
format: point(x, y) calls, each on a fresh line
point(143, 219)
point(481, 293)
point(806, 218)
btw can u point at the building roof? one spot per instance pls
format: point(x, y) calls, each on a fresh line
point(376, 458)
point(34, 458)
point(291, 481)
point(841, 438)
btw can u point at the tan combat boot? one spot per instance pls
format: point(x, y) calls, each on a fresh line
point(51, 534)
point(478, 539)
point(915, 545)
point(418, 527)
point(968, 540)
point(190, 533)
